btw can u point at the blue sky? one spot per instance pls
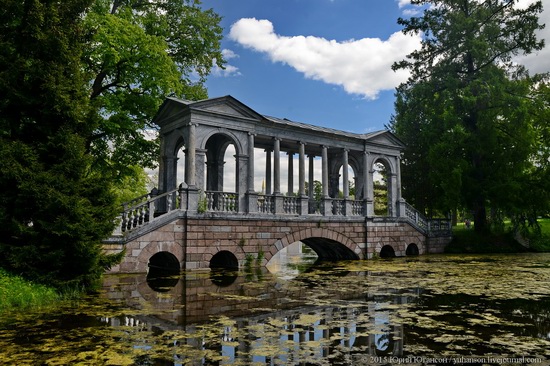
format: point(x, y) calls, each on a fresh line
point(322, 62)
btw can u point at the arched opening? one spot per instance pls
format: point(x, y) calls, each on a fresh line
point(381, 189)
point(330, 250)
point(292, 260)
point(387, 252)
point(351, 183)
point(163, 271)
point(221, 164)
point(180, 166)
point(224, 260)
point(412, 249)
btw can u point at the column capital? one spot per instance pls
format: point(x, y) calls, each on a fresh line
point(250, 133)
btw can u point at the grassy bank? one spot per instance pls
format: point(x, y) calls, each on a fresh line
point(17, 293)
point(468, 241)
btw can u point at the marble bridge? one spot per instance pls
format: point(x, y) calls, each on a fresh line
point(220, 204)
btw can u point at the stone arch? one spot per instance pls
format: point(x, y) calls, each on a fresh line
point(155, 247)
point(224, 259)
point(214, 248)
point(163, 271)
point(388, 198)
point(324, 237)
point(387, 251)
point(215, 146)
point(412, 249)
point(236, 139)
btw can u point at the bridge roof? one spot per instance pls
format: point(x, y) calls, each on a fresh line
point(229, 106)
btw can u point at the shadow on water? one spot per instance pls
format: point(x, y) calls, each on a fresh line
point(343, 313)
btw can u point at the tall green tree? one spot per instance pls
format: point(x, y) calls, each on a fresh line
point(464, 112)
point(54, 210)
point(138, 53)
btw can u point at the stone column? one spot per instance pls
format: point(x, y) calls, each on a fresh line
point(368, 189)
point(277, 166)
point(327, 201)
point(250, 181)
point(267, 172)
point(278, 199)
point(304, 209)
point(324, 158)
point(311, 182)
point(190, 169)
point(251, 193)
point(200, 165)
point(290, 187)
point(302, 169)
point(345, 183)
point(190, 157)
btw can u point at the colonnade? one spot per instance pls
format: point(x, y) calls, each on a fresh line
point(205, 129)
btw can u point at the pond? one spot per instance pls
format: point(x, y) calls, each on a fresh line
point(458, 309)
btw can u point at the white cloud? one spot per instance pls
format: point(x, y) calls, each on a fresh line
point(228, 70)
point(361, 66)
point(229, 54)
point(403, 3)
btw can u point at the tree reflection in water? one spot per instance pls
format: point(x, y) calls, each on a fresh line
point(339, 314)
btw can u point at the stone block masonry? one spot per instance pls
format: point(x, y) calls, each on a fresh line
point(195, 239)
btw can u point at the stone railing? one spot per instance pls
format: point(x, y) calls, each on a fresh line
point(221, 201)
point(144, 208)
point(357, 208)
point(338, 207)
point(432, 227)
point(291, 205)
point(266, 204)
point(415, 217)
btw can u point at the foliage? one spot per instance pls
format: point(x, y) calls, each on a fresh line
point(470, 116)
point(470, 241)
point(16, 293)
point(53, 210)
point(132, 185)
point(138, 53)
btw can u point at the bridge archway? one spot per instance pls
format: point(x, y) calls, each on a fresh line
point(387, 251)
point(224, 259)
point(412, 249)
point(327, 244)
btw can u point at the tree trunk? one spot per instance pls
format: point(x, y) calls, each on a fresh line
point(480, 217)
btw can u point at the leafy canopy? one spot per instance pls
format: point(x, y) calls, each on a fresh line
point(138, 53)
point(466, 112)
point(53, 210)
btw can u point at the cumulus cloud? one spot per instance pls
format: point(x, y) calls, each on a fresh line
point(228, 70)
point(361, 67)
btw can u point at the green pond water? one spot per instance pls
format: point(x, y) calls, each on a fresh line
point(444, 309)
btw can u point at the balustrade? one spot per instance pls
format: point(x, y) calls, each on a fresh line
point(290, 205)
point(338, 207)
point(137, 215)
point(266, 204)
point(140, 211)
point(357, 208)
point(222, 201)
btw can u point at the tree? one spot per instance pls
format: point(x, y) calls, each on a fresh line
point(54, 210)
point(464, 110)
point(138, 53)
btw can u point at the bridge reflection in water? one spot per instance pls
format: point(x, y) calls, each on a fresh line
point(254, 316)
